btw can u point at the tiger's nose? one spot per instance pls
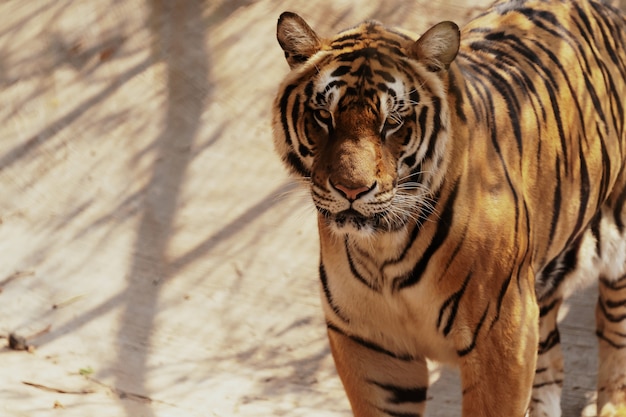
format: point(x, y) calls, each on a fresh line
point(352, 193)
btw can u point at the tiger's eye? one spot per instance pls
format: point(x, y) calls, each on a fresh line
point(323, 117)
point(392, 123)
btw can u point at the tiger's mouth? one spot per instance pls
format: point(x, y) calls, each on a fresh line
point(350, 220)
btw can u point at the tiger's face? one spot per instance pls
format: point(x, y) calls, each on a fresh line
point(363, 117)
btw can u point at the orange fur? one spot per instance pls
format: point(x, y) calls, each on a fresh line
point(461, 197)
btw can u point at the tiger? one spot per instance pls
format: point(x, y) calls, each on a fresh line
point(465, 183)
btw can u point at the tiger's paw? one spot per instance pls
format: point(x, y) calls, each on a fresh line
point(612, 410)
point(612, 389)
point(549, 406)
point(546, 397)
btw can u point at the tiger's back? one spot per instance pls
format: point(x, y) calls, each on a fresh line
point(463, 190)
point(550, 77)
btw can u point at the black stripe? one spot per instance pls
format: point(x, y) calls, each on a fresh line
point(613, 318)
point(589, 35)
point(606, 169)
point(367, 53)
point(554, 105)
point(304, 151)
point(386, 61)
point(403, 395)
point(329, 296)
point(454, 90)
point(296, 164)
point(386, 76)
point(308, 90)
point(594, 226)
point(295, 115)
point(584, 193)
point(614, 24)
point(553, 339)
point(348, 37)
point(501, 294)
point(432, 140)
point(561, 32)
point(611, 89)
point(422, 118)
point(342, 70)
point(522, 271)
point(343, 45)
point(414, 232)
point(443, 228)
point(558, 382)
point(371, 345)
point(616, 333)
point(407, 140)
point(471, 347)
point(490, 112)
point(617, 210)
point(455, 252)
point(535, 16)
point(502, 86)
point(615, 304)
point(511, 65)
point(556, 205)
point(618, 284)
point(609, 341)
point(333, 84)
point(545, 309)
point(556, 63)
point(292, 158)
point(414, 96)
point(555, 271)
point(364, 71)
point(590, 89)
point(284, 104)
point(468, 94)
point(452, 304)
point(371, 285)
point(399, 413)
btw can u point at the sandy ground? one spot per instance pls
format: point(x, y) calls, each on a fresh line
point(153, 251)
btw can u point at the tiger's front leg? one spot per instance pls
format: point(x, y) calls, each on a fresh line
point(498, 361)
point(378, 382)
point(611, 332)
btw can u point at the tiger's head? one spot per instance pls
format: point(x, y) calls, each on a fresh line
point(364, 118)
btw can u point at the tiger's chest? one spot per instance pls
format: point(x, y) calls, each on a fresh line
point(360, 299)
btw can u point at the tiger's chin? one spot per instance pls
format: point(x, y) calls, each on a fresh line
point(351, 222)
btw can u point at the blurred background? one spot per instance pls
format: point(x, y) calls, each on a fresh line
point(155, 260)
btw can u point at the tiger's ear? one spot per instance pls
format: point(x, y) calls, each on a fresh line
point(438, 47)
point(296, 38)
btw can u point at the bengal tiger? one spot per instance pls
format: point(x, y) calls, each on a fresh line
point(465, 181)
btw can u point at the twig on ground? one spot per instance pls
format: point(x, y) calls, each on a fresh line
point(14, 276)
point(57, 390)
